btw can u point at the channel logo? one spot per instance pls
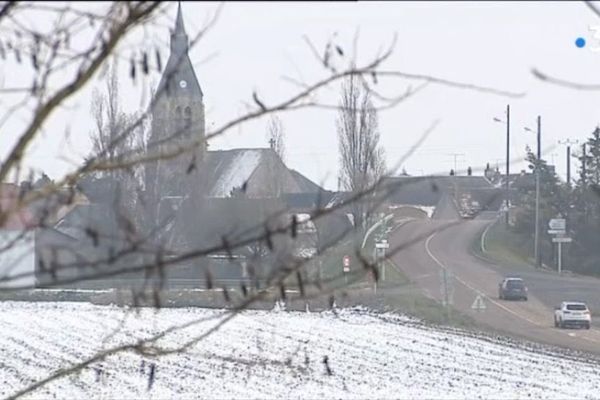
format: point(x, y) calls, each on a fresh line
point(581, 42)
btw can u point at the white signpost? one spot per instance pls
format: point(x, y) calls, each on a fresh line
point(562, 240)
point(558, 227)
point(382, 245)
point(555, 232)
point(558, 224)
point(380, 255)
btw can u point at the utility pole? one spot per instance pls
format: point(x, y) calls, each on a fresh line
point(507, 162)
point(538, 260)
point(568, 143)
point(536, 245)
point(507, 122)
point(456, 155)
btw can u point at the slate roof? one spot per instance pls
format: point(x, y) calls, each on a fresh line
point(305, 184)
point(225, 170)
point(230, 169)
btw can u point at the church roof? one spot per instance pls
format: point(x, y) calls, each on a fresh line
point(229, 170)
point(306, 184)
point(179, 78)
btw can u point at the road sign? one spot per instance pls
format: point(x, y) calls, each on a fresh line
point(562, 240)
point(382, 245)
point(346, 263)
point(556, 232)
point(559, 224)
point(478, 304)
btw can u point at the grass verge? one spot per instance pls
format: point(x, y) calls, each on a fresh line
point(395, 292)
point(411, 301)
point(503, 246)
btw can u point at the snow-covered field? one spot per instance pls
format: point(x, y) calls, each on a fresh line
point(276, 354)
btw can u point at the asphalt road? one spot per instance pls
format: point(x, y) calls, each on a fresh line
point(444, 244)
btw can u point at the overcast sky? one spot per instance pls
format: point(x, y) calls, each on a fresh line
point(491, 44)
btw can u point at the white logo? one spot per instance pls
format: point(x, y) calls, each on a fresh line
point(596, 36)
point(182, 84)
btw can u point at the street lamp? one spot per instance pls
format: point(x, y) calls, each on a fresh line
point(507, 122)
point(537, 191)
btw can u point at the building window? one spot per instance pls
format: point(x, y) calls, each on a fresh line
point(187, 114)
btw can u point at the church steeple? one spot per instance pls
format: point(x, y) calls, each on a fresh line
point(177, 118)
point(179, 38)
point(179, 27)
point(179, 78)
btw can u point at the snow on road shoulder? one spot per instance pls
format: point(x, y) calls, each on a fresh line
point(268, 354)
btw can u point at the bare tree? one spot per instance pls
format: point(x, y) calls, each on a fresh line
point(112, 140)
point(111, 121)
point(362, 160)
point(276, 136)
point(108, 116)
point(120, 151)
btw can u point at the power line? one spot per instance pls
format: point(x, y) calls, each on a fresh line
point(456, 155)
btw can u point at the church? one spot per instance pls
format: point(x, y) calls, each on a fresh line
point(191, 190)
point(197, 199)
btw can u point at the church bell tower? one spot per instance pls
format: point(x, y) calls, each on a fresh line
point(177, 122)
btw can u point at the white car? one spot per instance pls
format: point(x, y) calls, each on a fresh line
point(572, 313)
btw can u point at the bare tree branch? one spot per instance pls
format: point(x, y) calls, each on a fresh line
point(593, 7)
point(561, 82)
point(136, 14)
point(6, 8)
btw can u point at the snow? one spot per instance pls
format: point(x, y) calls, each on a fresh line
point(239, 171)
point(277, 354)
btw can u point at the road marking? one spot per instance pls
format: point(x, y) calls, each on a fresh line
point(483, 236)
point(438, 262)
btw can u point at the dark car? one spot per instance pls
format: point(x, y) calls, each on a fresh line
point(512, 288)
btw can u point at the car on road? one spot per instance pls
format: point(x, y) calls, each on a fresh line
point(572, 313)
point(512, 288)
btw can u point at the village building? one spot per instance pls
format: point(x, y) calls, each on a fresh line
point(193, 199)
point(196, 201)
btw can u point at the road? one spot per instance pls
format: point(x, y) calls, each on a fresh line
point(445, 244)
